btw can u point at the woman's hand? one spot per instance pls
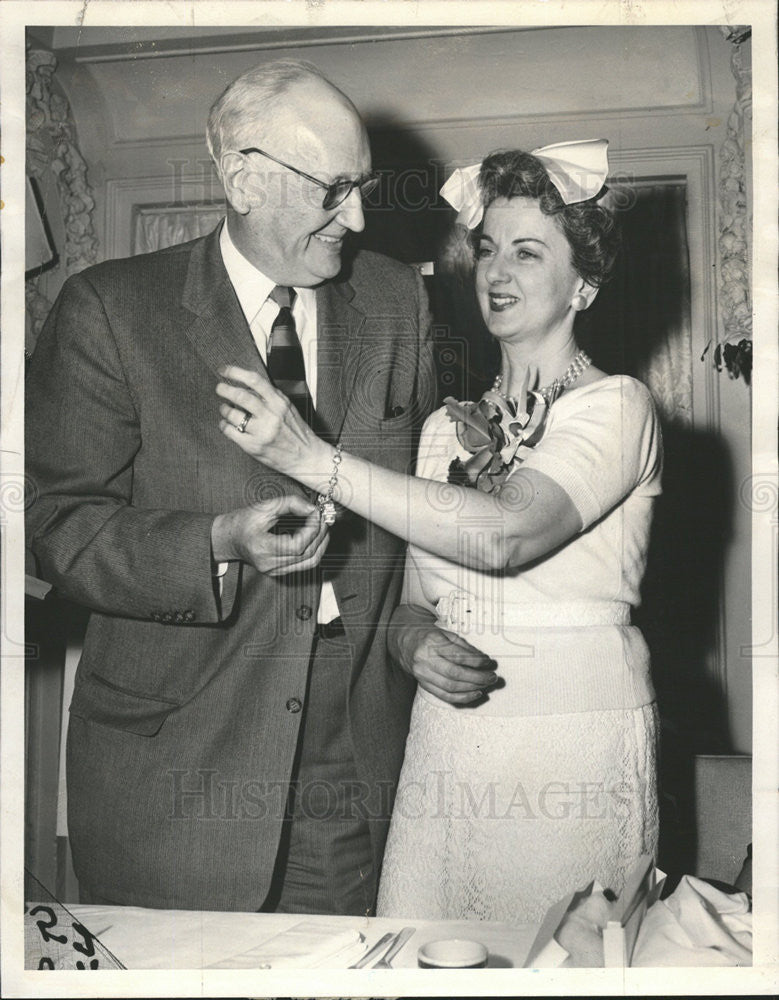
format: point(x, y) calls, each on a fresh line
point(443, 663)
point(274, 433)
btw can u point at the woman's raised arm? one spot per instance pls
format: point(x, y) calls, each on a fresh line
point(531, 517)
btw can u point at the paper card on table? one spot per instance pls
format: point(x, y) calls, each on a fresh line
point(592, 924)
point(545, 952)
point(307, 945)
point(620, 933)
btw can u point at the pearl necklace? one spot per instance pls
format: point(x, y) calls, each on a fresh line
point(550, 392)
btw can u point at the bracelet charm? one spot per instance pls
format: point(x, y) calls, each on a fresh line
point(325, 501)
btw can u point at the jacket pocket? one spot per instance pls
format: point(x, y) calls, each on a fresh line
point(397, 427)
point(99, 700)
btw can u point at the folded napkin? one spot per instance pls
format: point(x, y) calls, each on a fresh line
point(696, 925)
point(311, 944)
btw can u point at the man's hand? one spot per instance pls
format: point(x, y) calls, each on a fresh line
point(443, 663)
point(246, 534)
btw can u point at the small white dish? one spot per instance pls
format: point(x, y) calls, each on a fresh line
point(452, 953)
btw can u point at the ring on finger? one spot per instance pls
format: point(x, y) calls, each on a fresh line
point(241, 428)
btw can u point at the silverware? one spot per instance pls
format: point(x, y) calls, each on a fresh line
point(397, 944)
point(380, 945)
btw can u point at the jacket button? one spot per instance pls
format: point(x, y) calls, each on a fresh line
point(304, 612)
point(294, 705)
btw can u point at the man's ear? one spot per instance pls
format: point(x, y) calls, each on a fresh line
point(584, 297)
point(236, 181)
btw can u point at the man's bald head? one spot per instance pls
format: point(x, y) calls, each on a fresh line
point(286, 99)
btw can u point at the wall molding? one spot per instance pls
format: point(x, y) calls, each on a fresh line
point(125, 196)
point(573, 118)
point(702, 106)
point(261, 40)
point(700, 101)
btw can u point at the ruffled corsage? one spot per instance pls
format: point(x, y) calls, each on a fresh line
point(497, 431)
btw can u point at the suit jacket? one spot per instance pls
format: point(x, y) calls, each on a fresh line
point(186, 710)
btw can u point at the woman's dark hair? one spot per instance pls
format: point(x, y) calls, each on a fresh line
point(590, 229)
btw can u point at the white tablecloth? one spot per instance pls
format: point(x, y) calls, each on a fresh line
point(191, 939)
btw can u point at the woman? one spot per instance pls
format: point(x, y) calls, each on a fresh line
point(529, 766)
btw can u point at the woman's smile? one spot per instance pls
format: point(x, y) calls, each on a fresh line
point(500, 302)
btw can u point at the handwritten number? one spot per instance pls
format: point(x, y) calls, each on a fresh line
point(88, 947)
point(52, 922)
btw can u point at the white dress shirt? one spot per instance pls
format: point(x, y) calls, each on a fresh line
point(252, 288)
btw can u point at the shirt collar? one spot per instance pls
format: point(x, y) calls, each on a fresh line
point(252, 286)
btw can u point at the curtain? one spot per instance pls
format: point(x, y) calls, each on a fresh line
point(667, 367)
point(158, 227)
point(640, 323)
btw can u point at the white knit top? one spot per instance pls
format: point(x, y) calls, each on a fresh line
point(559, 628)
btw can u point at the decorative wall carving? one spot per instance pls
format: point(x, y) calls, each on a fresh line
point(735, 348)
point(52, 146)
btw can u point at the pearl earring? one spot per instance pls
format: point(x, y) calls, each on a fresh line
point(579, 302)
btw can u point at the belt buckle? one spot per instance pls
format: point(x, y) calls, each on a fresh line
point(458, 615)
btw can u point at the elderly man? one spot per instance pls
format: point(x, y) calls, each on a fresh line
point(236, 730)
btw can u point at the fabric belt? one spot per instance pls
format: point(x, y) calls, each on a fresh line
point(464, 612)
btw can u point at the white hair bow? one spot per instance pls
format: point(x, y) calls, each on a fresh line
point(577, 169)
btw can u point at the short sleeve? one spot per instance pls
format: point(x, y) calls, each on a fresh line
point(602, 443)
point(437, 446)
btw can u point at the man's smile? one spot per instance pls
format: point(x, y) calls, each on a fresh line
point(326, 238)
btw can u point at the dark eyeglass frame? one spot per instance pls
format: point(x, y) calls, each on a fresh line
point(335, 193)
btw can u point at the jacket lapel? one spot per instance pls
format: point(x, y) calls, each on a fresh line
point(219, 332)
point(339, 345)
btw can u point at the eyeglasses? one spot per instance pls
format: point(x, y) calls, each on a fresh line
point(335, 193)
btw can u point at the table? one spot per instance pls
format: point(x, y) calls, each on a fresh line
point(193, 939)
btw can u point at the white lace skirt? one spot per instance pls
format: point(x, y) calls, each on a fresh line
point(497, 817)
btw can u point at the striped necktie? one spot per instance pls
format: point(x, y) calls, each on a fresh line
point(285, 366)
